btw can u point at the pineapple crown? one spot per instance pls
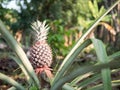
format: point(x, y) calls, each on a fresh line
point(41, 30)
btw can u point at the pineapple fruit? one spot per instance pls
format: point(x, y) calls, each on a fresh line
point(41, 53)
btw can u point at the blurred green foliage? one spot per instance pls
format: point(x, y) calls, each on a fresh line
point(63, 17)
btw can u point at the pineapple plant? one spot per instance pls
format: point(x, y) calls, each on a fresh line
point(41, 53)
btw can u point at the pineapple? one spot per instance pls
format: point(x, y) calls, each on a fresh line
point(41, 53)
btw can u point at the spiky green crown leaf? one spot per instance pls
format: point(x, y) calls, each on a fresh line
point(41, 30)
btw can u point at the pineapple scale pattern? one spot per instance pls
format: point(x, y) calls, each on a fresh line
point(41, 53)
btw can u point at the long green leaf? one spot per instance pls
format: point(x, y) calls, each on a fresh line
point(71, 59)
point(89, 80)
point(100, 86)
point(103, 58)
point(19, 51)
point(11, 82)
point(64, 67)
point(12, 88)
point(16, 59)
point(113, 56)
point(83, 70)
point(95, 77)
point(106, 78)
point(78, 79)
point(21, 66)
point(67, 87)
point(100, 50)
